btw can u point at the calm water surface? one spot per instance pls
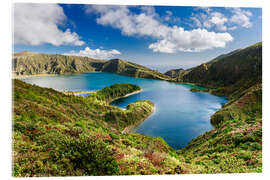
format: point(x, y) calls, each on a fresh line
point(180, 115)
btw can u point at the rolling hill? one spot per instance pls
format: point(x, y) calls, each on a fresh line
point(31, 63)
point(228, 73)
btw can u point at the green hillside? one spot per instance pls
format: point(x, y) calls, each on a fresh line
point(30, 63)
point(65, 135)
point(127, 68)
point(228, 73)
point(235, 144)
point(176, 73)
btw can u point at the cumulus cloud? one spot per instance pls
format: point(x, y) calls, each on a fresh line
point(210, 18)
point(241, 17)
point(190, 41)
point(36, 24)
point(219, 20)
point(95, 53)
point(168, 39)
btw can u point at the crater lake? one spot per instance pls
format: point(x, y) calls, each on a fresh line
point(179, 116)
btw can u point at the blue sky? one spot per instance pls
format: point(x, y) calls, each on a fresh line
point(161, 37)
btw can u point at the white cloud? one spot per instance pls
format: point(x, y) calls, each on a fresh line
point(232, 28)
point(210, 18)
point(36, 24)
point(241, 17)
point(190, 41)
point(168, 16)
point(219, 20)
point(196, 21)
point(95, 53)
point(169, 39)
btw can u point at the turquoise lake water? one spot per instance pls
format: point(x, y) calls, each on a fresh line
point(180, 115)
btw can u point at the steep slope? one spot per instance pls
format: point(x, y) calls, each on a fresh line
point(65, 135)
point(235, 144)
point(29, 63)
point(176, 73)
point(126, 68)
point(229, 73)
point(51, 129)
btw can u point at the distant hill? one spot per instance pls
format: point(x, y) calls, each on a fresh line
point(229, 72)
point(176, 73)
point(31, 63)
point(127, 68)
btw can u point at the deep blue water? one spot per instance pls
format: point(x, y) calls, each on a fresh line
point(180, 115)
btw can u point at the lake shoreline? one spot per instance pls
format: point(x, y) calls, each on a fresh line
point(129, 129)
point(78, 92)
point(127, 95)
point(32, 75)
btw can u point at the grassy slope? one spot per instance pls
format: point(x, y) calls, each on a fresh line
point(65, 135)
point(176, 73)
point(127, 68)
point(29, 63)
point(235, 144)
point(231, 73)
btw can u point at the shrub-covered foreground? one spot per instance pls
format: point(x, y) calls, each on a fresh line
point(235, 144)
point(65, 135)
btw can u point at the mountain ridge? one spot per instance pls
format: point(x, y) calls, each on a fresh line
point(228, 72)
point(31, 63)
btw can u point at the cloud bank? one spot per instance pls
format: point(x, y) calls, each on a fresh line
point(36, 24)
point(95, 53)
point(169, 39)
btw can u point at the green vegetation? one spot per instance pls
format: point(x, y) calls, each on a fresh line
point(235, 144)
point(30, 63)
point(230, 73)
point(176, 73)
point(195, 90)
point(65, 135)
point(127, 68)
point(115, 91)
